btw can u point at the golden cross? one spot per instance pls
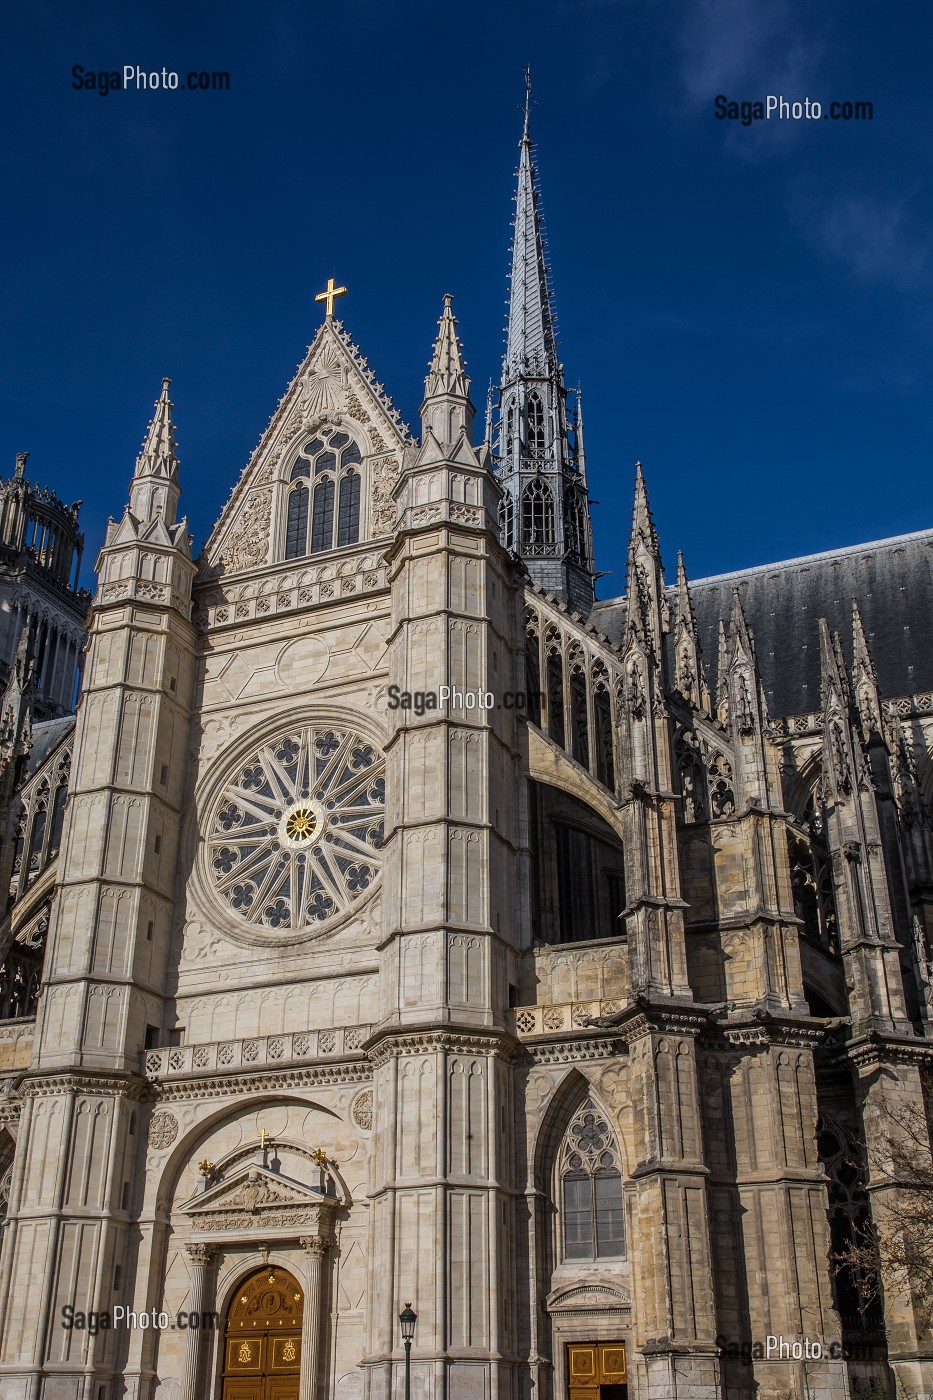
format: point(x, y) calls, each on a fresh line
point(264, 1137)
point(329, 295)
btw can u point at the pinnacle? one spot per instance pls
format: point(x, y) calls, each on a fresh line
point(447, 374)
point(642, 522)
point(157, 456)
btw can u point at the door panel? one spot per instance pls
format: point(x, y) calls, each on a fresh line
point(244, 1389)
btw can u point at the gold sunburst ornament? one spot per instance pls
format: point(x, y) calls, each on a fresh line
point(301, 824)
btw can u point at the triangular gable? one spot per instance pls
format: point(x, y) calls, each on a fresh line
point(333, 383)
point(252, 1189)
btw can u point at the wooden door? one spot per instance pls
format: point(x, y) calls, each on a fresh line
point(596, 1371)
point(262, 1342)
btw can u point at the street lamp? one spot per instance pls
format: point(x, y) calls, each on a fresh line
point(407, 1317)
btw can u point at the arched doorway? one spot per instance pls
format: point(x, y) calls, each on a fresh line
point(262, 1342)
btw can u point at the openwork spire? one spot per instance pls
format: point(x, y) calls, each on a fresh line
point(531, 343)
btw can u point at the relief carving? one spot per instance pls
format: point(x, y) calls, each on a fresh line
point(249, 543)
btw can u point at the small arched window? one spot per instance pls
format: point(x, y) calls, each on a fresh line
point(509, 431)
point(591, 1189)
point(296, 531)
point(535, 426)
point(537, 516)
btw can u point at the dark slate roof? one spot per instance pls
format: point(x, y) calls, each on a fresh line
point(46, 738)
point(892, 581)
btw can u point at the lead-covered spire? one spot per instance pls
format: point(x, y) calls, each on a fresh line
point(531, 343)
point(539, 463)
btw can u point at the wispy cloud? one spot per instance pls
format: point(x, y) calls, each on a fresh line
point(745, 50)
point(874, 236)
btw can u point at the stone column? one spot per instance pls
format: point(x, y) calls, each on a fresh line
point(315, 1312)
point(200, 1257)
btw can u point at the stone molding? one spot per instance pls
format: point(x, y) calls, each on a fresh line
point(254, 1052)
point(394, 1043)
point(285, 588)
point(140, 1091)
point(238, 1085)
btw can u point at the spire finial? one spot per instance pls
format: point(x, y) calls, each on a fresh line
point(526, 134)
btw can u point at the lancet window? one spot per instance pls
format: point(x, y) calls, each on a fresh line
point(536, 435)
point(507, 522)
point(325, 494)
point(537, 517)
point(592, 1216)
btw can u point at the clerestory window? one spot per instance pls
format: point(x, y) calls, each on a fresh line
point(324, 495)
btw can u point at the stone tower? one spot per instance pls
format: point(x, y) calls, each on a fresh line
point(104, 976)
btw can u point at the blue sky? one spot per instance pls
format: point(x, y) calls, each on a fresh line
point(747, 309)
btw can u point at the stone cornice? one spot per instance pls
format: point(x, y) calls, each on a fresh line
point(84, 1082)
point(394, 1041)
point(283, 1081)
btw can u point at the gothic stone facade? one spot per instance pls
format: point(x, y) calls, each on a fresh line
point(564, 1026)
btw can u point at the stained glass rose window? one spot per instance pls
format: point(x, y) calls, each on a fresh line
point(296, 834)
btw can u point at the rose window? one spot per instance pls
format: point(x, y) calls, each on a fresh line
point(297, 834)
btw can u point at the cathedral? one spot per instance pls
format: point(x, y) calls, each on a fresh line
point(421, 978)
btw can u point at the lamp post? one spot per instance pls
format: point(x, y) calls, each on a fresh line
point(407, 1317)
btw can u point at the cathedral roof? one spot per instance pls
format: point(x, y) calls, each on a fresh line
point(46, 738)
point(892, 581)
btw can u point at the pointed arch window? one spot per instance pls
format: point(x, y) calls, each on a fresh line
point(331, 506)
point(537, 516)
point(509, 431)
point(593, 1220)
point(348, 513)
point(535, 426)
point(296, 530)
point(576, 530)
point(507, 522)
point(322, 521)
point(58, 818)
point(37, 838)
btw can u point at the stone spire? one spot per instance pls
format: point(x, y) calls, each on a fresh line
point(689, 678)
point(447, 409)
point(155, 489)
point(545, 511)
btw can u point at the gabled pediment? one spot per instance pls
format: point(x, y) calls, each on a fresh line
point(333, 384)
point(254, 1189)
